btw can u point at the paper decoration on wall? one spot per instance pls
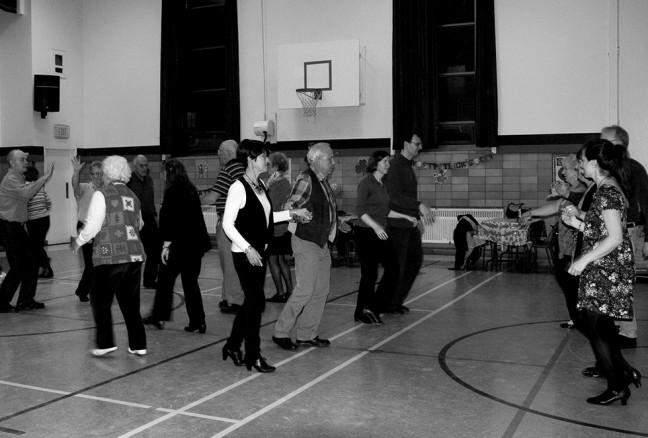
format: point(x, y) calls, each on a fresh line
point(440, 170)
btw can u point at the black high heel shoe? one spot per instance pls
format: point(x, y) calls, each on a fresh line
point(635, 377)
point(236, 355)
point(260, 365)
point(202, 328)
point(609, 397)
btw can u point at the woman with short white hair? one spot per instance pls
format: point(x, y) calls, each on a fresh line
point(114, 220)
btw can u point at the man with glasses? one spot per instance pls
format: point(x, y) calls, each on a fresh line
point(15, 193)
point(402, 187)
point(303, 311)
point(141, 184)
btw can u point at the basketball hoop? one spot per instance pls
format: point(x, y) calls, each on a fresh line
point(309, 98)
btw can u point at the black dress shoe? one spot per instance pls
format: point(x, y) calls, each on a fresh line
point(368, 317)
point(7, 308)
point(285, 343)
point(201, 328)
point(592, 372)
point(635, 377)
point(260, 365)
point(30, 305)
point(229, 309)
point(154, 322)
point(316, 342)
point(403, 309)
point(626, 342)
point(236, 355)
point(567, 325)
point(278, 298)
point(610, 396)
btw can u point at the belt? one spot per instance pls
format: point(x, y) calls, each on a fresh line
point(632, 224)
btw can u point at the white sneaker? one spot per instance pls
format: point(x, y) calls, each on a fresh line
point(98, 352)
point(137, 352)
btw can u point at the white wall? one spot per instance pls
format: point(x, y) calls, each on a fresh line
point(553, 65)
point(121, 64)
point(16, 81)
point(280, 22)
point(633, 71)
point(57, 25)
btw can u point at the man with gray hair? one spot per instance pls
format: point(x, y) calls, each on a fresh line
point(15, 193)
point(636, 222)
point(141, 184)
point(303, 311)
point(231, 170)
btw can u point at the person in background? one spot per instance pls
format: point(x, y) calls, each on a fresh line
point(304, 309)
point(606, 266)
point(185, 241)
point(231, 170)
point(141, 184)
point(402, 187)
point(564, 194)
point(15, 193)
point(114, 222)
point(374, 245)
point(637, 214)
point(464, 241)
point(38, 223)
point(248, 221)
point(279, 248)
point(83, 193)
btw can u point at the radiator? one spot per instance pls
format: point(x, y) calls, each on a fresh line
point(211, 218)
point(446, 221)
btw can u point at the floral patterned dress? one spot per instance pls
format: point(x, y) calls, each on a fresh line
point(606, 284)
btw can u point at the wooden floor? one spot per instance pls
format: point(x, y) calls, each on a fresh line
point(481, 354)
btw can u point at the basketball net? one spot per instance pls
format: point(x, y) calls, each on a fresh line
point(309, 99)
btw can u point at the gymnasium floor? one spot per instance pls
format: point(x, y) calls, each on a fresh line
point(481, 354)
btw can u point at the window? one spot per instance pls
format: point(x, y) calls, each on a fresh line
point(445, 81)
point(454, 41)
point(200, 103)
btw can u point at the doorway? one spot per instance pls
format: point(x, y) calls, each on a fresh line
point(59, 189)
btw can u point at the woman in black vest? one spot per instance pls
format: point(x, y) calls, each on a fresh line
point(248, 221)
point(183, 231)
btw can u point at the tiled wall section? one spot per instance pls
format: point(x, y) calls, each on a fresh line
point(513, 177)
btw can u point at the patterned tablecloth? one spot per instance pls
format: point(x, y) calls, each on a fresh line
point(504, 231)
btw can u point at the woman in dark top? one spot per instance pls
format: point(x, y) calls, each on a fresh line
point(279, 248)
point(373, 244)
point(248, 221)
point(185, 237)
point(605, 266)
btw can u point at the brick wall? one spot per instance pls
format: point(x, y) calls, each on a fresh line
point(512, 177)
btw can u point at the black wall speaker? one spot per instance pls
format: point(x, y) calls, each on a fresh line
point(46, 94)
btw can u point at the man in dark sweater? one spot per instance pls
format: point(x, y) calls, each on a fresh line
point(142, 185)
point(402, 187)
point(637, 212)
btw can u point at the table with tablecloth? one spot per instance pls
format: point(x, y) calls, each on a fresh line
point(509, 242)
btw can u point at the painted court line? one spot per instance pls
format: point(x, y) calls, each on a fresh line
point(206, 417)
point(234, 385)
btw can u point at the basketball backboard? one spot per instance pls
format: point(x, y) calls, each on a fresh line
point(330, 66)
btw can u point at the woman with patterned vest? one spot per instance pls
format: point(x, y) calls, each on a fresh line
point(114, 221)
point(248, 221)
